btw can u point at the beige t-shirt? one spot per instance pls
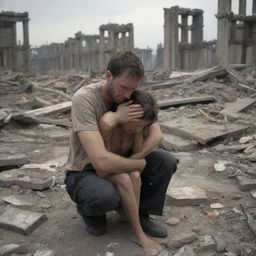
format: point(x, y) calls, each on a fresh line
point(87, 108)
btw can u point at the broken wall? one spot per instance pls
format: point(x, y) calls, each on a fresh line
point(236, 33)
point(12, 55)
point(184, 47)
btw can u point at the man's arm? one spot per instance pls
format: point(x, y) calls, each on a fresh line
point(151, 141)
point(105, 162)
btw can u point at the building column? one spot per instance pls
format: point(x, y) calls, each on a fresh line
point(102, 52)
point(224, 26)
point(254, 7)
point(26, 48)
point(184, 29)
point(131, 39)
point(242, 7)
point(171, 39)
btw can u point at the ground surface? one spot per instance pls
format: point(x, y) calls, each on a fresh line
point(64, 231)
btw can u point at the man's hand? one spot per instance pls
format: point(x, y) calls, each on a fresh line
point(137, 156)
point(127, 112)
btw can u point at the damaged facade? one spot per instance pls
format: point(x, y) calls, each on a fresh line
point(184, 47)
point(13, 55)
point(236, 41)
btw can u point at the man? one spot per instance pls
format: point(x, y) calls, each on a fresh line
point(93, 193)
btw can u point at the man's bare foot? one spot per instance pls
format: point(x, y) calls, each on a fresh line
point(150, 247)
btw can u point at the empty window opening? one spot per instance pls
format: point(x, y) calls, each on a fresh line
point(127, 34)
point(119, 35)
point(190, 20)
point(106, 34)
point(235, 6)
point(19, 33)
point(84, 43)
point(189, 36)
point(179, 19)
point(179, 34)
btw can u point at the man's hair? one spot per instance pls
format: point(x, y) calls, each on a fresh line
point(148, 103)
point(126, 60)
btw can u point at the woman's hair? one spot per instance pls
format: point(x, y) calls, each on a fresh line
point(126, 60)
point(148, 103)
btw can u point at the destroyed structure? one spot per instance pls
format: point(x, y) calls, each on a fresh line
point(14, 55)
point(208, 123)
point(236, 41)
point(184, 48)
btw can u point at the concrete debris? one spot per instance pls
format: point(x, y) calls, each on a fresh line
point(18, 200)
point(246, 139)
point(10, 249)
point(253, 193)
point(181, 239)
point(44, 253)
point(185, 251)
point(216, 206)
point(26, 178)
point(8, 160)
point(245, 183)
point(21, 221)
point(181, 196)
point(173, 221)
point(220, 166)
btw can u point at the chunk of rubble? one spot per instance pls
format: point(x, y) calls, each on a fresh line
point(26, 178)
point(216, 206)
point(185, 196)
point(245, 139)
point(253, 193)
point(10, 249)
point(21, 221)
point(245, 183)
point(10, 160)
point(206, 244)
point(50, 167)
point(200, 131)
point(181, 239)
point(44, 253)
point(173, 142)
point(232, 149)
point(185, 250)
point(220, 166)
point(17, 200)
point(173, 221)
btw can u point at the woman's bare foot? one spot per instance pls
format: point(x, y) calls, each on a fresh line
point(150, 247)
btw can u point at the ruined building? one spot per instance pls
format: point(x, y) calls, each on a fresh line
point(236, 33)
point(184, 47)
point(88, 53)
point(13, 55)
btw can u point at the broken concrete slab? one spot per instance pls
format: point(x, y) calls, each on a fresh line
point(238, 106)
point(18, 200)
point(232, 149)
point(11, 160)
point(173, 221)
point(27, 178)
point(54, 109)
point(184, 101)
point(172, 142)
point(200, 130)
point(10, 249)
point(246, 183)
point(50, 166)
point(21, 221)
point(181, 239)
point(185, 196)
point(62, 136)
point(3, 115)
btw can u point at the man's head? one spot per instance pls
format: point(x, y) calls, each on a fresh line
point(124, 72)
point(149, 105)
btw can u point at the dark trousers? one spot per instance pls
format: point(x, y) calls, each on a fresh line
point(96, 196)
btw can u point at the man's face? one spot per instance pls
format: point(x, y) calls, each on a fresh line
point(135, 126)
point(122, 87)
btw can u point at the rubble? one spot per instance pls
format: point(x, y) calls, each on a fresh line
point(21, 221)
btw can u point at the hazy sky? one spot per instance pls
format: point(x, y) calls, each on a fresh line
point(56, 20)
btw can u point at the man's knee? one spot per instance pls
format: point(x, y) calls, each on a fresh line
point(167, 161)
point(106, 200)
